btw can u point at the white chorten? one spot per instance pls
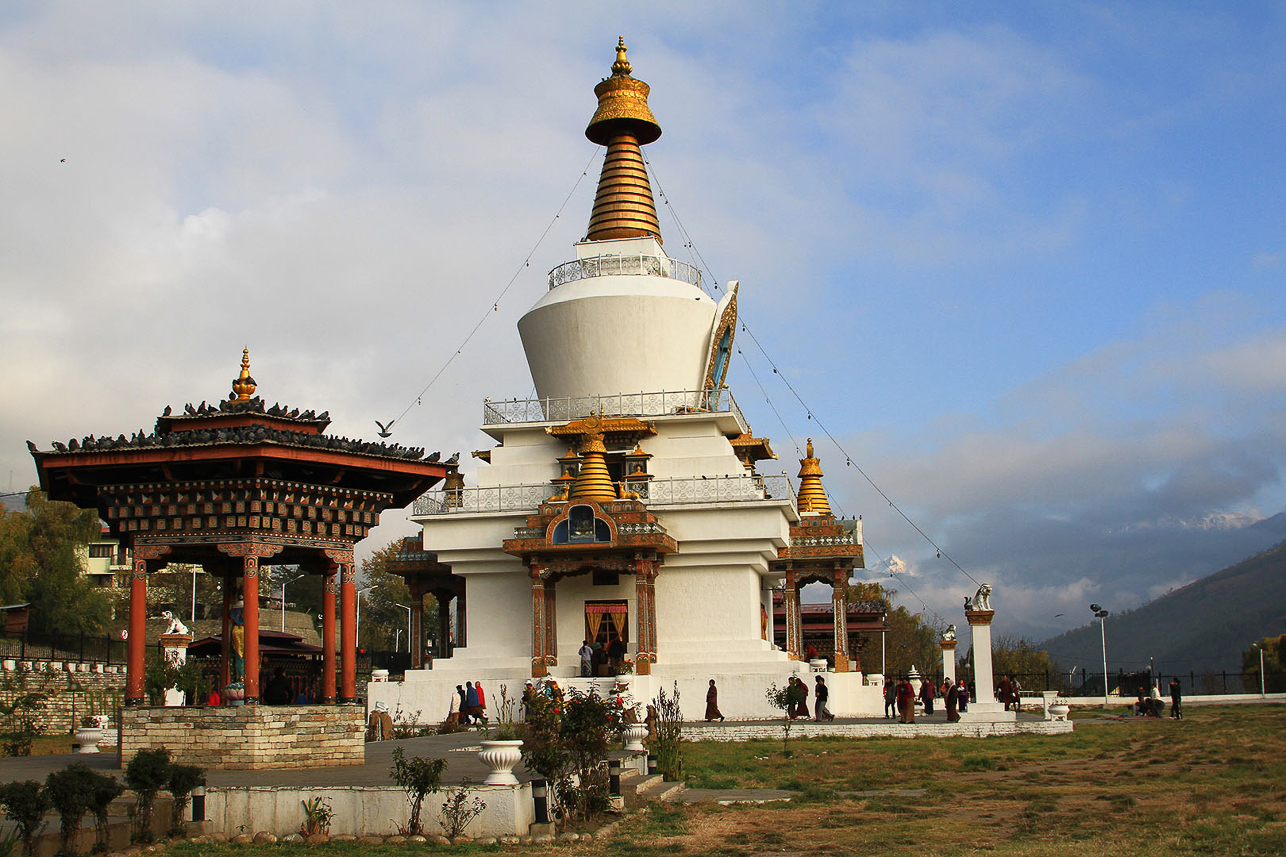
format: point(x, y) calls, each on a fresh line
point(623, 502)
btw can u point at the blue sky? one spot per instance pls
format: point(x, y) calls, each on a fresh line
point(1027, 263)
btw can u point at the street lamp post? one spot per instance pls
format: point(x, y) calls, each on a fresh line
point(357, 625)
point(1263, 687)
point(283, 600)
point(1101, 615)
point(408, 624)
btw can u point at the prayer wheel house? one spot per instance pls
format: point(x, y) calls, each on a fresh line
point(623, 502)
point(229, 488)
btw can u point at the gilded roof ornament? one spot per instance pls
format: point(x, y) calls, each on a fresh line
point(812, 495)
point(623, 206)
point(243, 386)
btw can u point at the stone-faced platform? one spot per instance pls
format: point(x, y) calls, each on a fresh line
point(248, 737)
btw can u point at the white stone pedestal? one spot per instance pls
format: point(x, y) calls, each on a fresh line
point(948, 659)
point(174, 648)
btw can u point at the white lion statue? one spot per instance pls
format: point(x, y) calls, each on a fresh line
point(950, 634)
point(176, 624)
point(981, 599)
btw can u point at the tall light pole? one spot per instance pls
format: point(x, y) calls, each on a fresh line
point(1262, 686)
point(283, 599)
point(408, 625)
point(357, 626)
point(1101, 615)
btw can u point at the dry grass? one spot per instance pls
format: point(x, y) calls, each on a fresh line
point(1213, 784)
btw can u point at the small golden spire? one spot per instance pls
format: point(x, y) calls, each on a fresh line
point(622, 64)
point(593, 482)
point(243, 386)
point(812, 495)
point(623, 206)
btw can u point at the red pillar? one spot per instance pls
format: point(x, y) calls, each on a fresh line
point(250, 595)
point(839, 607)
point(538, 618)
point(329, 588)
point(415, 645)
point(137, 646)
point(348, 628)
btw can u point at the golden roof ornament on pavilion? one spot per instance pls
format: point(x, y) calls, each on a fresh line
point(243, 386)
point(812, 496)
point(623, 206)
point(593, 482)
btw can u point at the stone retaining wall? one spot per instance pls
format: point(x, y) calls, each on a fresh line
point(247, 737)
point(71, 692)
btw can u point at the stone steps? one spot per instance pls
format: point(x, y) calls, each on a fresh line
point(639, 790)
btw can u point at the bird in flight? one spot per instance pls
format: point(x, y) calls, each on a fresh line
point(385, 430)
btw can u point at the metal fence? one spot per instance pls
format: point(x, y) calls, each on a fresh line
point(1126, 685)
point(631, 265)
point(74, 648)
point(640, 404)
point(656, 492)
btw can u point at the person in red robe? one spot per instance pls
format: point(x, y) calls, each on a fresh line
point(906, 701)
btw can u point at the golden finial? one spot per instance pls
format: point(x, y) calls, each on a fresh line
point(593, 482)
point(812, 495)
point(623, 206)
point(622, 64)
point(243, 386)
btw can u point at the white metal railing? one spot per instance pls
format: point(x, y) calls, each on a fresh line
point(654, 492)
point(619, 404)
point(630, 265)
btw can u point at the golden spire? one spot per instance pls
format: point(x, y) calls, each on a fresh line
point(243, 386)
point(812, 496)
point(593, 482)
point(623, 206)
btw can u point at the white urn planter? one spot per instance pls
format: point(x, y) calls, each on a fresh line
point(1059, 711)
point(634, 735)
point(500, 757)
point(88, 737)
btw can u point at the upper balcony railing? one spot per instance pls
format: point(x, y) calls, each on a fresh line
point(636, 265)
point(655, 492)
point(620, 404)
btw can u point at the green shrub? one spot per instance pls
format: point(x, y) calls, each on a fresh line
point(71, 791)
point(183, 779)
point(417, 777)
point(145, 775)
point(25, 804)
point(106, 790)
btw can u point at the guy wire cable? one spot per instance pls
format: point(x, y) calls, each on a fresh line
point(809, 411)
point(495, 304)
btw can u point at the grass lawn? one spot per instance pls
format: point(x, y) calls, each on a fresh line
point(1212, 784)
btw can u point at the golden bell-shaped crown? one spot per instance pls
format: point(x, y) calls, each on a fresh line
point(243, 386)
point(622, 106)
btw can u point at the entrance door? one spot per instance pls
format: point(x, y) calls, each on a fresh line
point(607, 623)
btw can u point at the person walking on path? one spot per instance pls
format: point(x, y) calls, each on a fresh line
point(1002, 690)
point(586, 658)
point(801, 697)
point(453, 713)
point(951, 698)
point(482, 701)
point(1015, 688)
point(962, 696)
point(471, 710)
point(712, 703)
point(822, 694)
point(926, 696)
point(463, 695)
point(906, 701)
point(890, 698)
point(1176, 699)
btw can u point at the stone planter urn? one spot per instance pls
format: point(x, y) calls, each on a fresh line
point(1059, 710)
point(500, 757)
point(88, 737)
point(634, 735)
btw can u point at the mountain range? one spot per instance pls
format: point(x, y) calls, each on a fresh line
point(1202, 627)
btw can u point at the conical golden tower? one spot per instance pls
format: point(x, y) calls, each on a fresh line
point(623, 206)
point(593, 482)
point(812, 496)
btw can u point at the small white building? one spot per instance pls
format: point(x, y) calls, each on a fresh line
point(623, 502)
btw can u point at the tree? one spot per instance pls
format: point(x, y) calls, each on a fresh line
point(910, 640)
point(71, 792)
point(40, 562)
point(1017, 656)
point(1274, 663)
point(25, 804)
point(382, 618)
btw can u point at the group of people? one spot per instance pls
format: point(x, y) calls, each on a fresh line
point(1007, 690)
point(594, 656)
point(797, 693)
point(1152, 705)
point(900, 697)
point(468, 704)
